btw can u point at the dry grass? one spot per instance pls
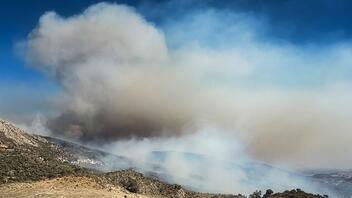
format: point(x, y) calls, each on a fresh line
point(65, 187)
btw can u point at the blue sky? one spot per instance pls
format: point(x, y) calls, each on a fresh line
point(300, 22)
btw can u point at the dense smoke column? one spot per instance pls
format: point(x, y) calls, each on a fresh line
point(99, 58)
point(119, 79)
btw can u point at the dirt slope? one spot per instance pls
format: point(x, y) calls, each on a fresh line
point(65, 187)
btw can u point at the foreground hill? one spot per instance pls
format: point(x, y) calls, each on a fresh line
point(33, 166)
point(67, 186)
point(81, 186)
point(28, 157)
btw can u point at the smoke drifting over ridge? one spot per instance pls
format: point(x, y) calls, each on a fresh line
point(120, 78)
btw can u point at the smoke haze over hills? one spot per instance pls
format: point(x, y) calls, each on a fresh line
point(122, 76)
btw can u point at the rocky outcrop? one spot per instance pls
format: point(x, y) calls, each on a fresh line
point(25, 157)
point(12, 136)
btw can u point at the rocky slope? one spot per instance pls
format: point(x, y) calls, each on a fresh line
point(53, 168)
point(27, 157)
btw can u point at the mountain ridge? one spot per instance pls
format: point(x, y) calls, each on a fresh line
point(34, 159)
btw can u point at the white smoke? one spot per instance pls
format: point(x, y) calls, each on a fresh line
point(123, 77)
point(208, 160)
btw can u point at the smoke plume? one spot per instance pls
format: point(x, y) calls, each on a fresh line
point(208, 160)
point(122, 76)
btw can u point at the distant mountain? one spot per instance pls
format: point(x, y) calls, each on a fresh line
point(339, 181)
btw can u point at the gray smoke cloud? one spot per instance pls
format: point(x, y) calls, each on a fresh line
point(208, 159)
point(122, 77)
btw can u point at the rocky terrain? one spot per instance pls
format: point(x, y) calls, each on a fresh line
point(35, 166)
point(26, 157)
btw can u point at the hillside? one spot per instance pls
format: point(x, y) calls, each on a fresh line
point(28, 157)
point(34, 166)
point(67, 186)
